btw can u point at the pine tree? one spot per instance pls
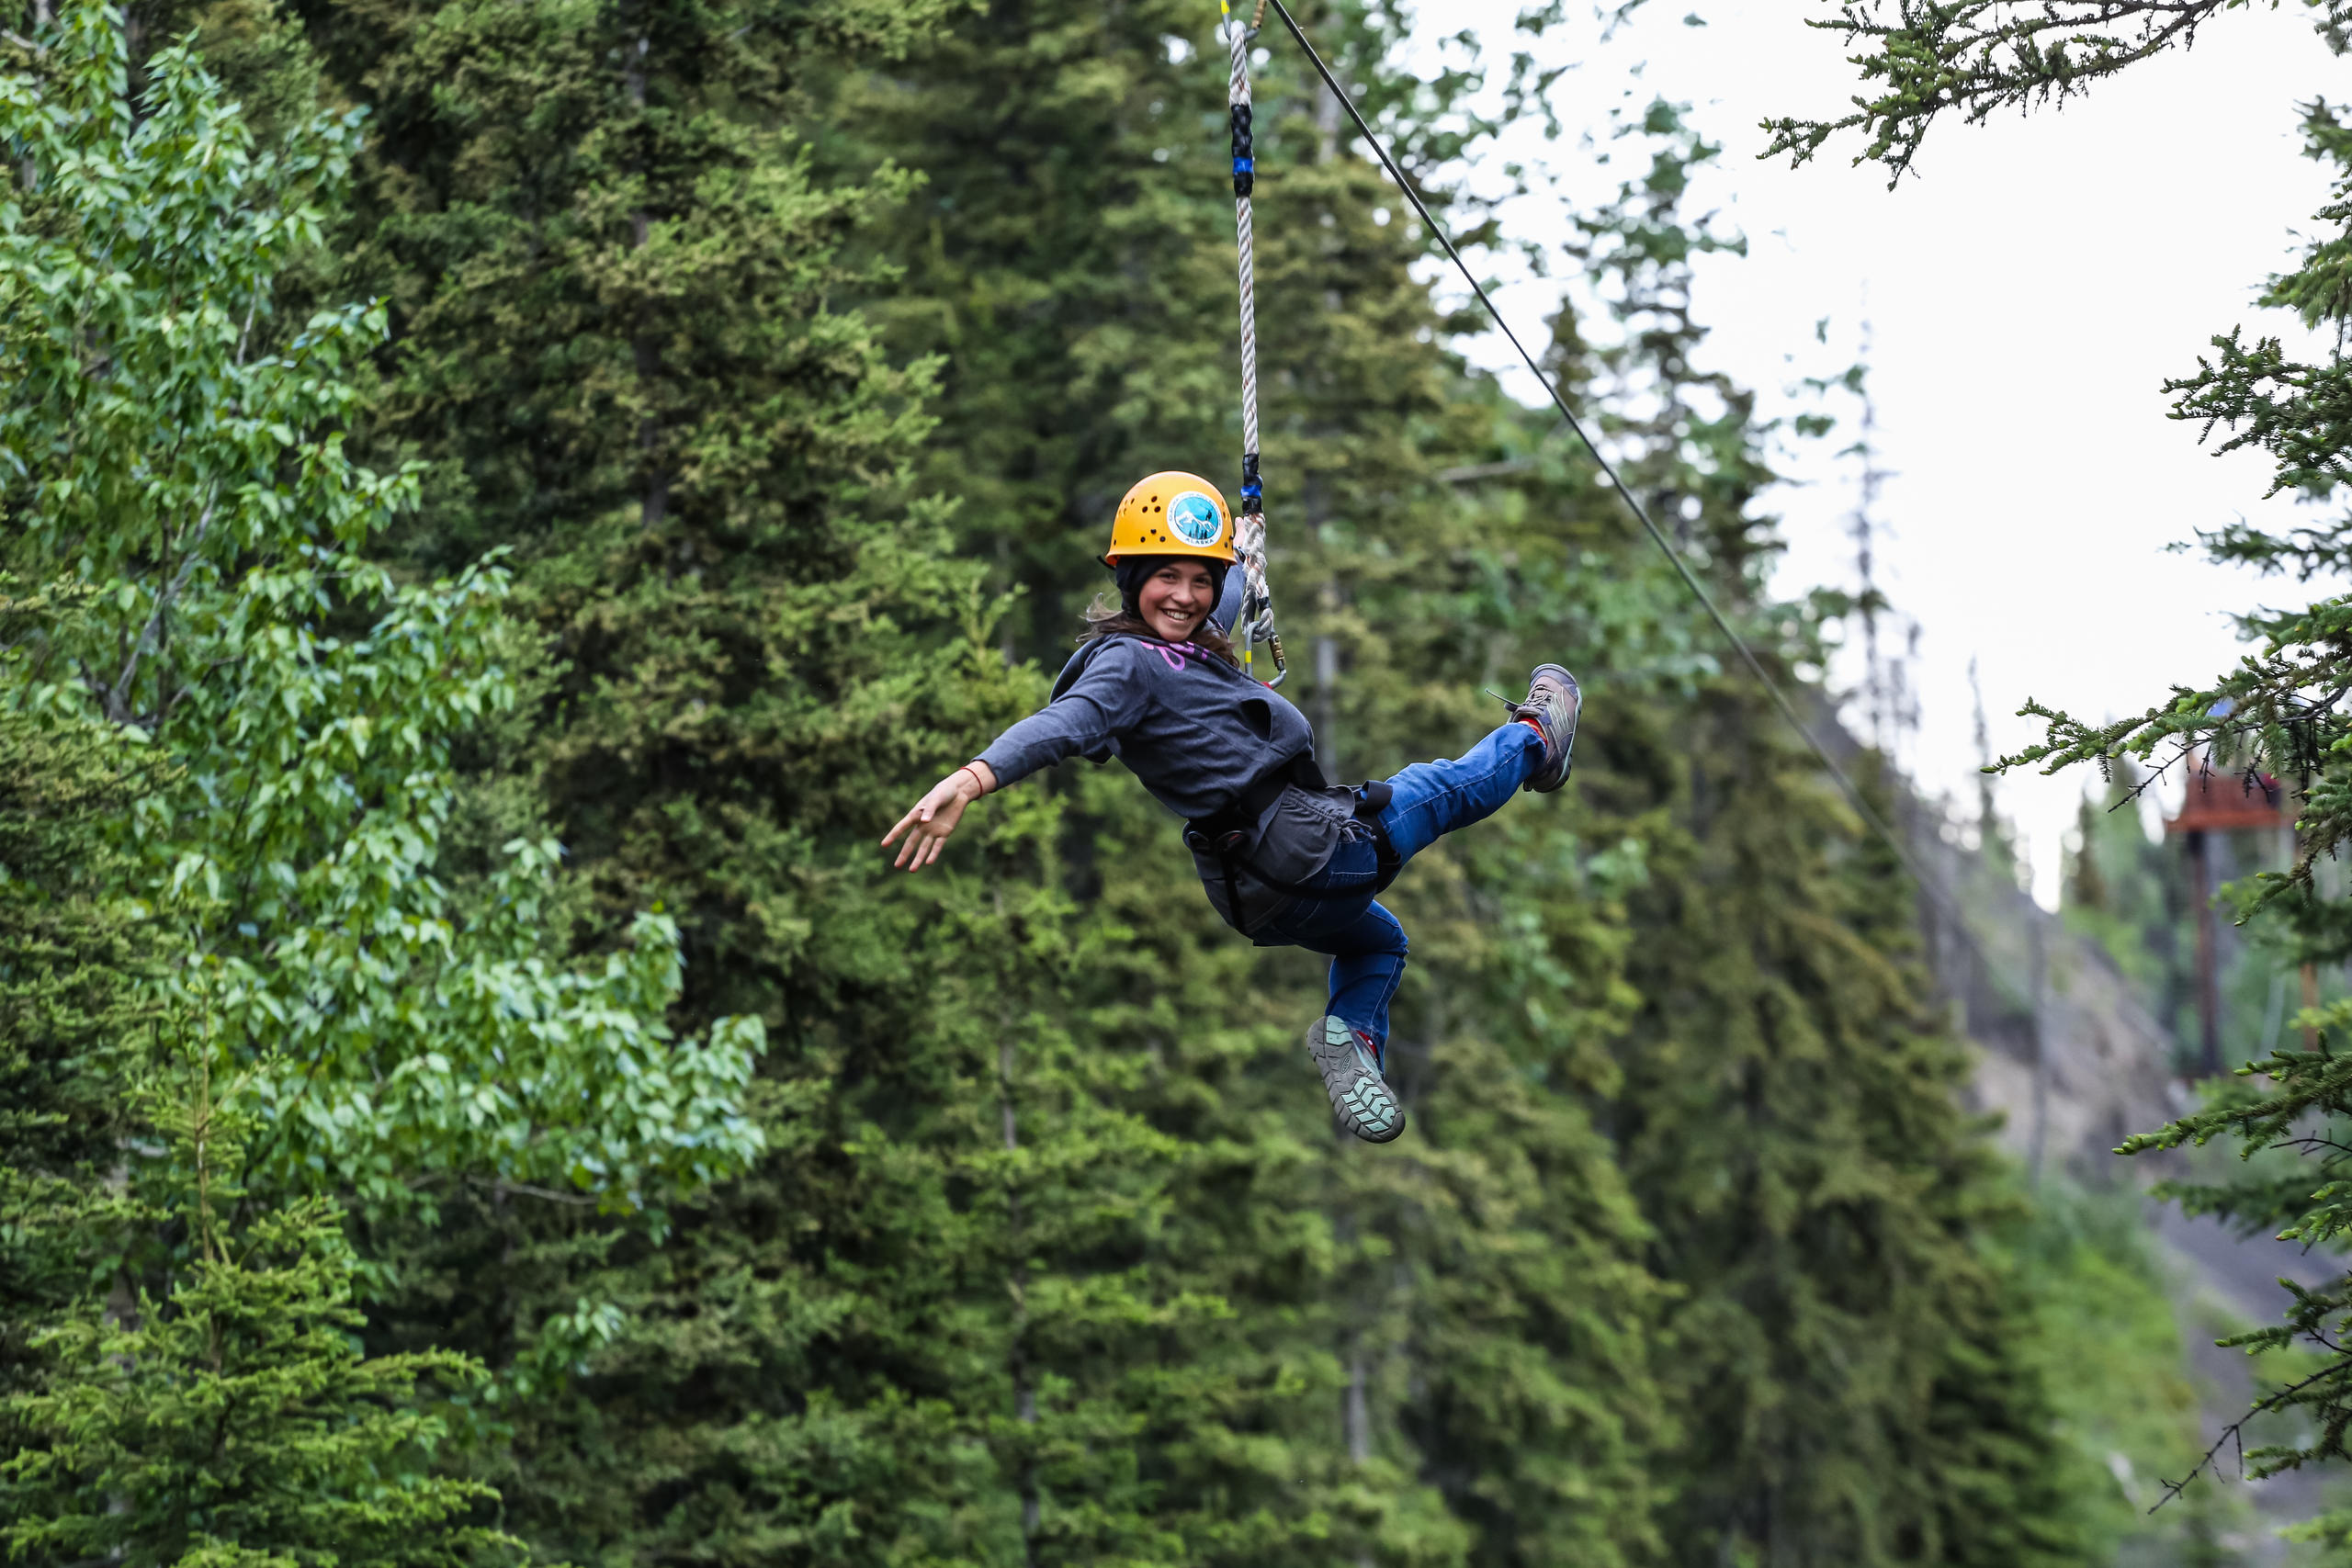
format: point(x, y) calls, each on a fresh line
point(233, 1424)
point(72, 1016)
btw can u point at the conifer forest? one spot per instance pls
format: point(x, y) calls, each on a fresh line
point(504, 503)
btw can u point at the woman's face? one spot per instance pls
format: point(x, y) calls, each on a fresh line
point(1176, 599)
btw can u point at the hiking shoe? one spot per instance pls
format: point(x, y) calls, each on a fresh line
point(1553, 702)
point(1349, 1063)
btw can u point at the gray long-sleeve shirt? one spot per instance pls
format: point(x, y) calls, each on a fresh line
point(1193, 729)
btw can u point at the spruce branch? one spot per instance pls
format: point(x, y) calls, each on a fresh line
point(2234, 1433)
point(1975, 57)
point(2301, 414)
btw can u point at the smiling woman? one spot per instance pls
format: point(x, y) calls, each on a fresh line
point(1287, 858)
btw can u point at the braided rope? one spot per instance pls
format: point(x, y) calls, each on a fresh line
point(1238, 97)
point(1256, 622)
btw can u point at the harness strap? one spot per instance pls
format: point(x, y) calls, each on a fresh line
point(1371, 801)
point(1224, 833)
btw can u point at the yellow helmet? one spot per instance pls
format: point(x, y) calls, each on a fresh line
point(1172, 514)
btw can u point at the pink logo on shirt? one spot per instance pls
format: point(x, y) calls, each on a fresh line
point(1176, 660)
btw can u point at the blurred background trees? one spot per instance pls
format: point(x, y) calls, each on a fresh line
point(504, 503)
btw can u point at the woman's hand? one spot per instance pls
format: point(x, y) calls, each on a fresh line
point(926, 828)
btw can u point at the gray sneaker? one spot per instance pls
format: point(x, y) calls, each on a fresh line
point(1349, 1063)
point(1553, 702)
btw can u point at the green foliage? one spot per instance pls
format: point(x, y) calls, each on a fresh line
point(244, 997)
point(1853, 1364)
point(179, 451)
point(2107, 1342)
point(71, 1017)
point(1974, 57)
point(2303, 1109)
point(235, 1425)
point(232, 1420)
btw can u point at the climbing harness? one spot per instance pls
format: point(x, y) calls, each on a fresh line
point(1225, 834)
point(1255, 622)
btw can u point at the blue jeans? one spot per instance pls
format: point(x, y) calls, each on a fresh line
point(1365, 943)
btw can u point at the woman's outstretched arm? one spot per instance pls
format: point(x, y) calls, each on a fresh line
point(1105, 698)
point(935, 815)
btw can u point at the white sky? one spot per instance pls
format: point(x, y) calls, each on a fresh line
point(2028, 293)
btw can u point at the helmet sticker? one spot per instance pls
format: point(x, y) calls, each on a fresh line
point(1193, 518)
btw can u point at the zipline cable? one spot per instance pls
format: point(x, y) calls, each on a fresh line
point(1690, 579)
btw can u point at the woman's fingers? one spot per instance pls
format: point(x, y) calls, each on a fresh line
point(923, 836)
point(925, 829)
point(905, 823)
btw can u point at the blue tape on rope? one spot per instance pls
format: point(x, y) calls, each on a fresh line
point(1245, 165)
point(1251, 492)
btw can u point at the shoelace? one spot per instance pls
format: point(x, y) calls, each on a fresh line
point(1518, 705)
